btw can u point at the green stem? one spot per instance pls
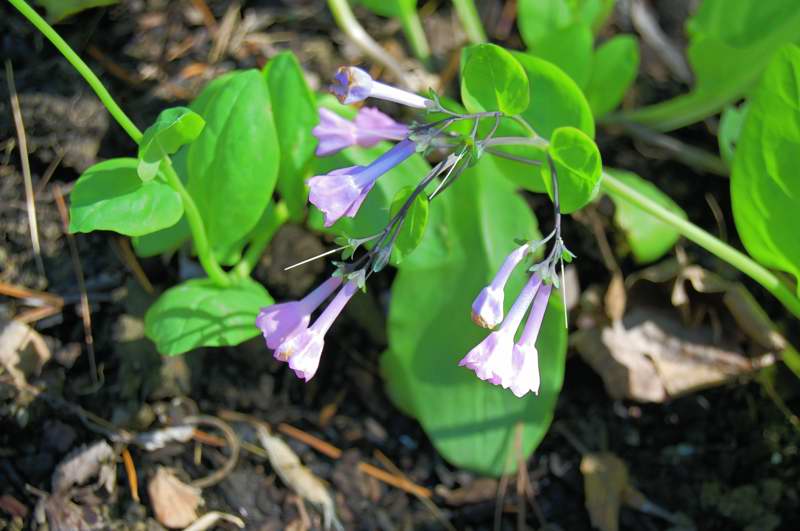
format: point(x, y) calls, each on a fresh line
point(736, 258)
point(196, 226)
point(79, 65)
point(277, 216)
point(412, 28)
point(468, 14)
point(201, 245)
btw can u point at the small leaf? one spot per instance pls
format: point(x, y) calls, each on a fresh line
point(537, 18)
point(413, 228)
point(613, 70)
point(58, 10)
point(198, 313)
point(172, 129)
point(730, 128)
point(111, 196)
point(389, 9)
point(295, 117)
point(492, 80)
point(578, 165)
point(570, 48)
point(648, 237)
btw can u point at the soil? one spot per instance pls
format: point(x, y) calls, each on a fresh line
point(725, 458)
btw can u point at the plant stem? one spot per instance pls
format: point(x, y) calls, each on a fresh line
point(79, 65)
point(468, 14)
point(412, 28)
point(196, 226)
point(739, 260)
point(277, 216)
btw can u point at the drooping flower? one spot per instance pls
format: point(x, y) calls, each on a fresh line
point(487, 309)
point(369, 127)
point(525, 357)
point(492, 359)
point(279, 321)
point(341, 192)
point(352, 84)
point(303, 349)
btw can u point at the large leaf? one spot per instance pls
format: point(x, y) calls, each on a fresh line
point(198, 313)
point(233, 164)
point(295, 117)
point(648, 237)
point(492, 80)
point(613, 70)
point(430, 330)
point(578, 166)
point(571, 48)
point(111, 196)
point(538, 19)
point(765, 187)
point(731, 42)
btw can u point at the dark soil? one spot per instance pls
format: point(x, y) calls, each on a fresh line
point(726, 458)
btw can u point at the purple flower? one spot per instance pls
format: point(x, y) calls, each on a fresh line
point(279, 321)
point(487, 310)
point(303, 349)
point(369, 127)
point(525, 357)
point(492, 358)
point(352, 84)
point(341, 192)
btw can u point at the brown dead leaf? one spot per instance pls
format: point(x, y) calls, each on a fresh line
point(616, 298)
point(174, 502)
point(23, 352)
point(84, 463)
point(605, 479)
point(297, 477)
point(480, 490)
point(12, 506)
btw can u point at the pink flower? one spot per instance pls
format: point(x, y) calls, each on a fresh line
point(487, 310)
point(525, 357)
point(279, 321)
point(303, 349)
point(369, 127)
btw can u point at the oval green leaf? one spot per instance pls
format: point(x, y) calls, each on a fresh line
point(413, 228)
point(172, 129)
point(111, 196)
point(648, 238)
point(492, 80)
point(765, 187)
point(614, 69)
point(198, 313)
point(570, 48)
point(579, 168)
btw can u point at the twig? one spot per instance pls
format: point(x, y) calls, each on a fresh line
point(48, 174)
point(21, 292)
point(26, 169)
point(130, 471)
point(208, 17)
point(306, 438)
point(647, 26)
point(86, 315)
point(132, 263)
point(680, 151)
point(233, 444)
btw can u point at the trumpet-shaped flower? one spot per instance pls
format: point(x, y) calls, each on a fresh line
point(492, 359)
point(352, 84)
point(369, 127)
point(303, 349)
point(525, 357)
point(487, 310)
point(279, 321)
point(341, 192)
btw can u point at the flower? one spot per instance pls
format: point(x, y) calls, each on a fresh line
point(525, 357)
point(487, 310)
point(341, 192)
point(369, 127)
point(352, 84)
point(303, 349)
point(279, 321)
point(492, 358)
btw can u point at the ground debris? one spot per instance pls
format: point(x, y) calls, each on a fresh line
point(174, 502)
point(23, 352)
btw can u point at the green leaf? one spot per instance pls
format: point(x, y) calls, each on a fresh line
point(198, 313)
point(233, 164)
point(430, 330)
point(172, 129)
point(538, 18)
point(765, 188)
point(730, 128)
point(413, 228)
point(58, 10)
point(111, 196)
point(570, 48)
point(648, 238)
point(492, 80)
point(728, 50)
point(295, 117)
point(614, 69)
point(389, 9)
point(578, 165)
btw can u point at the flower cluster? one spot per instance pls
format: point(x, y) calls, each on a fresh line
point(287, 327)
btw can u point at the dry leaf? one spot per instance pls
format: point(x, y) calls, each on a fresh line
point(210, 519)
point(299, 478)
point(23, 352)
point(84, 463)
point(157, 439)
point(616, 298)
point(480, 490)
point(605, 479)
point(174, 502)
